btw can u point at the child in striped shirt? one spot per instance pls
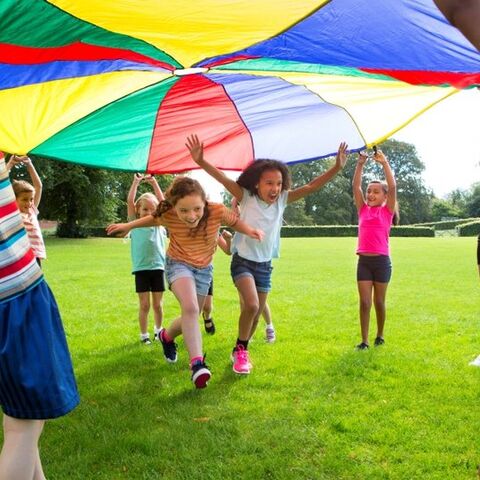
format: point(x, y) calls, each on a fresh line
point(28, 198)
point(193, 225)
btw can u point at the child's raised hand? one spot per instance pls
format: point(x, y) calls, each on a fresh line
point(341, 158)
point(138, 177)
point(195, 148)
point(149, 179)
point(380, 158)
point(362, 157)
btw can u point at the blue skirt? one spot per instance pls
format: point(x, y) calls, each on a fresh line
point(36, 373)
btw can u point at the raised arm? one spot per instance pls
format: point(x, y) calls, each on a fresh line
point(318, 182)
point(121, 229)
point(132, 193)
point(392, 185)
point(36, 182)
point(195, 148)
point(150, 179)
point(357, 181)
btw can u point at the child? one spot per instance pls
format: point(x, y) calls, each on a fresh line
point(28, 198)
point(224, 241)
point(148, 255)
point(193, 225)
point(36, 375)
point(376, 211)
point(262, 191)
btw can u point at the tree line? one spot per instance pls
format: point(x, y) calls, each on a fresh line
point(78, 197)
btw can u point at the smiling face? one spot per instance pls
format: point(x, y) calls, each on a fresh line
point(190, 209)
point(146, 207)
point(270, 186)
point(25, 201)
point(376, 195)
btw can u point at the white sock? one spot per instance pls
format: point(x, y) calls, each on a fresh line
point(144, 336)
point(156, 330)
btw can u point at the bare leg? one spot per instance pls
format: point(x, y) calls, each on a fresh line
point(262, 300)
point(20, 459)
point(187, 324)
point(144, 308)
point(266, 313)
point(207, 307)
point(365, 304)
point(157, 306)
point(379, 294)
point(249, 306)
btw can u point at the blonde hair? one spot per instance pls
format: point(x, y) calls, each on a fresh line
point(145, 197)
point(22, 186)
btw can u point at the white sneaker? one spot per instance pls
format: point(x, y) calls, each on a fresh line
point(476, 362)
point(270, 334)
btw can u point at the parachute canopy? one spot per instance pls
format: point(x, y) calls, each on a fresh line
point(120, 84)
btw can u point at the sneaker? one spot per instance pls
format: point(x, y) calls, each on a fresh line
point(146, 341)
point(156, 337)
point(241, 361)
point(362, 346)
point(169, 349)
point(200, 374)
point(209, 325)
point(379, 341)
point(476, 362)
point(270, 334)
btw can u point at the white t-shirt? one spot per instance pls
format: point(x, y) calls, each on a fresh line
point(268, 217)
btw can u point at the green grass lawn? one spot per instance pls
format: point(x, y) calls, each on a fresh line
point(313, 407)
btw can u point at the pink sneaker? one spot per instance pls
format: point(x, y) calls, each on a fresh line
point(241, 362)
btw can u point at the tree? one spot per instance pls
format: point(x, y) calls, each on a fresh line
point(473, 203)
point(442, 209)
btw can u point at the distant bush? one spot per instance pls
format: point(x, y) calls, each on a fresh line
point(446, 224)
point(469, 229)
point(352, 231)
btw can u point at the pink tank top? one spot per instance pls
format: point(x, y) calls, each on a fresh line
point(374, 225)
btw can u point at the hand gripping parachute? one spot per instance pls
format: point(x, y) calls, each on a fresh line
point(120, 84)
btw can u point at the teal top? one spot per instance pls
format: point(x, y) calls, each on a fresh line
point(148, 248)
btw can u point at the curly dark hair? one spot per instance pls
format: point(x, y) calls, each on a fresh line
point(183, 187)
point(250, 177)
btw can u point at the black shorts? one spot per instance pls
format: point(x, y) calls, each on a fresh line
point(374, 269)
point(149, 281)
point(210, 290)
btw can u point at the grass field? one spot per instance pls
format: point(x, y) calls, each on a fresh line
point(313, 407)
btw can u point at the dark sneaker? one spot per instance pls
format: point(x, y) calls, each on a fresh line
point(146, 341)
point(169, 349)
point(362, 346)
point(200, 374)
point(209, 325)
point(379, 341)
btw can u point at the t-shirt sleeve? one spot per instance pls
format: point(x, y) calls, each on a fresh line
point(229, 217)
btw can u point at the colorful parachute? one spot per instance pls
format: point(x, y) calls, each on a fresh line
point(120, 84)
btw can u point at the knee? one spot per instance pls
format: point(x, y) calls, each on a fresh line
point(144, 306)
point(379, 303)
point(190, 311)
point(365, 303)
point(251, 308)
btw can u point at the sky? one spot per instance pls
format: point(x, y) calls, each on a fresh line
point(447, 139)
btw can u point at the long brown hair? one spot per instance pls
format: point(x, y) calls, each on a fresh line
point(183, 187)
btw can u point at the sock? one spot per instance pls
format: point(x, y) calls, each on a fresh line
point(165, 336)
point(156, 330)
point(243, 342)
point(144, 336)
point(270, 326)
point(195, 360)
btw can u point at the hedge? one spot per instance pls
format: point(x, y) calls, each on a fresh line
point(446, 224)
point(351, 231)
point(469, 229)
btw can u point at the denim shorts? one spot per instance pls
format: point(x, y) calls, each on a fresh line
point(260, 271)
point(376, 268)
point(201, 276)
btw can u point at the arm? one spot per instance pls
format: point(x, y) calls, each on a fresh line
point(392, 185)
point(321, 180)
point(195, 148)
point(121, 229)
point(225, 242)
point(255, 233)
point(14, 160)
point(36, 182)
point(132, 193)
point(357, 181)
point(150, 179)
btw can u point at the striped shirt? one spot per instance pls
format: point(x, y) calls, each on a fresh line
point(19, 270)
point(34, 232)
point(196, 250)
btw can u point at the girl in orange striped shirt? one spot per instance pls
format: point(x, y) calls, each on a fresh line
point(193, 225)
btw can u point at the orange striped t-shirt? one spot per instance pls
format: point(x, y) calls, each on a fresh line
point(196, 250)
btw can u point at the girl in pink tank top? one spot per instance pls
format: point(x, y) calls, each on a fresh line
point(376, 211)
